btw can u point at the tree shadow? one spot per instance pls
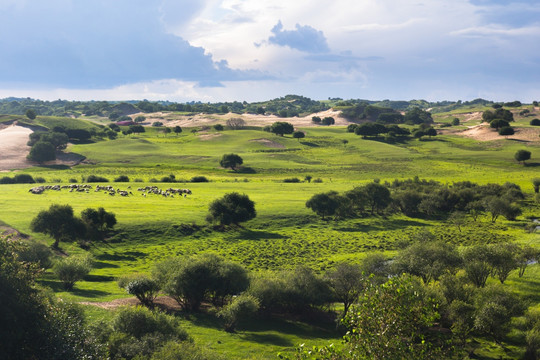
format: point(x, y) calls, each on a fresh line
point(397, 224)
point(89, 293)
point(266, 339)
point(98, 278)
point(246, 170)
point(104, 265)
point(310, 144)
point(127, 256)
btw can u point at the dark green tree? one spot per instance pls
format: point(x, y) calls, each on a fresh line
point(522, 155)
point(347, 282)
point(299, 135)
point(377, 197)
point(59, 223)
point(31, 114)
point(177, 130)
point(281, 127)
point(41, 152)
point(231, 161)
point(232, 208)
point(324, 204)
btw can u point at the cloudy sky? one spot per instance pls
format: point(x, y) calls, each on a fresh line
point(224, 50)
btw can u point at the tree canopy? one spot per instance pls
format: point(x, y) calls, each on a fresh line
point(231, 161)
point(281, 127)
point(232, 208)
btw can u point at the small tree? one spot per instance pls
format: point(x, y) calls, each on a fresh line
point(167, 130)
point(241, 307)
point(324, 204)
point(142, 287)
point(140, 119)
point(316, 119)
point(177, 130)
point(231, 161)
point(347, 282)
point(536, 184)
point(281, 127)
point(31, 114)
point(328, 121)
point(59, 223)
point(72, 269)
point(299, 135)
point(522, 156)
point(506, 131)
point(233, 208)
point(455, 121)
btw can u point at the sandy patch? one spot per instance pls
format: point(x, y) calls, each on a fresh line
point(269, 143)
point(172, 119)
point(206, 137)
point(13, 148)
point(484, 133)
point(163, 302)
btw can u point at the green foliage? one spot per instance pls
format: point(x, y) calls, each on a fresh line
point(280, 128)
point(41, 152)
point(142, 287)
point(241, 307)
point(506, 131)
point(393, 320)
point(535, 122)
point(96, 178)
point(59, 223)
point(231, 161)
point(417, 116)
point(218, 127)
point(522, 156)
point(122, 178)
point(35, 252)
point(299, 135)
point(31, 114)
point(184, 351)
point(347, 282)
point(232, 208)
point(192, 280)
point(324, 204)
point(72, 269)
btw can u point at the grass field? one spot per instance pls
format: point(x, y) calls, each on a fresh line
point(285, 233)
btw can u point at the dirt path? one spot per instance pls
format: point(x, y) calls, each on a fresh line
point(13, 148)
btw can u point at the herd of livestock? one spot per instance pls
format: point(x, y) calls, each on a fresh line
point(111, 190)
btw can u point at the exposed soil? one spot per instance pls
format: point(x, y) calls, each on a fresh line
point(11, 233)
point(163, 302)
point(269, 143)
point(171, 119)
point(13, 148)
point(483, 132)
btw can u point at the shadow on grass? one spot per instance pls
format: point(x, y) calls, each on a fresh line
point(127, 256)
point(266, 339)
point(248, 234)
point(310, 144)
point(56, 167)
point(57, 286)
point(104, 265)
point(382, 225)
point(98, 278)
point(246, 170)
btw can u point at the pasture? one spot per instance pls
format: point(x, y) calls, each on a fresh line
point(285, 233)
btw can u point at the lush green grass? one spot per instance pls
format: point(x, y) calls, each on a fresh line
point(285, 233)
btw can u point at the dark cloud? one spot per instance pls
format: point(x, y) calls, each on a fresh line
point(304, 38)
point(100, 44)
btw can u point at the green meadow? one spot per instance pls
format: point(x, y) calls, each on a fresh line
point(285, 233)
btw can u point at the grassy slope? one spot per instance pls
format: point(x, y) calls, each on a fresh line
point(285, 233)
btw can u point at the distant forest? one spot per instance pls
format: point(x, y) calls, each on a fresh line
point(287, 106)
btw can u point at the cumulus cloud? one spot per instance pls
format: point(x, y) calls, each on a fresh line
point(304, 38)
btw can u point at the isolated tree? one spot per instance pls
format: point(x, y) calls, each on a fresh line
point(522, 156)
point(324, 204)
point(31, 114)
point(430, 132)
point(455, 121)
point(167, 130)
point(72, 269)
point(536, 184)
point(281, 127)
point(299, 135)
point(316, 119)
point(231, 161)
point(42, 151)
point(140, 119)
point(137, 129)
point(232, 208)
point(59, 223)
point(328, 121)
point(177, 130)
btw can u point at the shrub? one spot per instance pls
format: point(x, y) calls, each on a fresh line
point(40, 180)
point(24, 179)
point(7, 180)
point(199, 179)
point(218, 127)
point(35, 252)
point(168, 179)
point(122, 178)
point(318, 180)
point(94, 179)
point(157, 124)
point(240, 308)
point(233, 208)
point(72, 269)
point(506, 131)
point(455, 121)
point(291, 180)
point(140, 286)
point(535, 122)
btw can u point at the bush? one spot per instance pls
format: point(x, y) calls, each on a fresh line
point(506, 131)
point(7, 180)
point(241, 307)
point(42, 151)
point(72, 269)
point(35, 252)
point(140, 286)
point(40, 180)
point(24, 179)
point(122, 178)
point(94, 179)
point(535, 122)
point(157, 124)
point(233, 208)
point(199, 179)
point(168, 179)
point(218, 127)
point(318, 180)
point(291, 180)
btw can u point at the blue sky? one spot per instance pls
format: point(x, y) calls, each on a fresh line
point(224, 50)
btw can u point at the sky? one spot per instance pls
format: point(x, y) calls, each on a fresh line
point(253, 50)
